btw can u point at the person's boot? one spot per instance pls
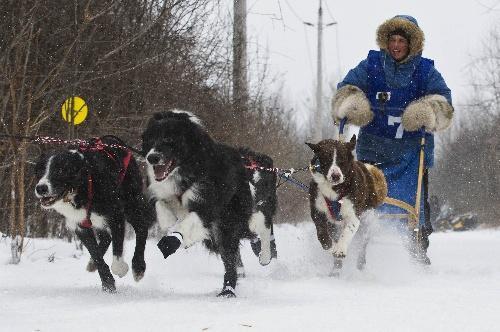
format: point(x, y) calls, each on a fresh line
point(418, 248)
point(424, 245)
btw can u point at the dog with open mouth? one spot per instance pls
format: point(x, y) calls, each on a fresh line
point(342, 191)
point(97, 187)
point(201, 192)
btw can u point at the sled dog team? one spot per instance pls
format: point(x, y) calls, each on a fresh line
point(199, 191)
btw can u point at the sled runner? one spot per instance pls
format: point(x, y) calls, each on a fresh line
point(410, 173)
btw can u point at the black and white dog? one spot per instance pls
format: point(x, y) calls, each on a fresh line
point(202, 192)
point(262, 180)
point(96, 187)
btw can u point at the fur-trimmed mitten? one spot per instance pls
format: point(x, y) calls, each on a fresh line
point(350, 102)
point(432, 112)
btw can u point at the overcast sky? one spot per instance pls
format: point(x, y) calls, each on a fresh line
point(454, 31)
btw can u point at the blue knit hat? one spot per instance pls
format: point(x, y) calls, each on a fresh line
point(408, 18)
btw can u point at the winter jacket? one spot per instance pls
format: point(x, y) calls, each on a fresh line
point(375, 148)
point(398, 75)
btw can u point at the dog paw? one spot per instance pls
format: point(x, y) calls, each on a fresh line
point(339, 252)
point(138, 276)
point(138, 269)
point(119, 267)
point(265, 257)
point(227, 292)
point(91, 267)
point(108, 284)
point(138, 273)
point(109, 288)
point(168, 245)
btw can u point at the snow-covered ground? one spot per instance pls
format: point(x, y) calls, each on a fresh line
point(459, 292)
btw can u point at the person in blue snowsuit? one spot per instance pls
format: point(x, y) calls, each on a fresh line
point(395, 96)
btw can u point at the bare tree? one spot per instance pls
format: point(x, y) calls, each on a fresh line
point(115, 53)
point(468, 172)
point(127, 59)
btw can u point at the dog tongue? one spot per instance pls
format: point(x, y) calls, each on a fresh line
point(161, 171)
point(45, 201)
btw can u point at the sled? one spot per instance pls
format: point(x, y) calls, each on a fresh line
point(410, 212)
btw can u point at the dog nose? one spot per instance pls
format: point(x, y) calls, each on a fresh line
point(335, 177)
point(153, 158)
point(41, 189)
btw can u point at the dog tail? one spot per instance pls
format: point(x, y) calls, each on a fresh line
point(379, 184)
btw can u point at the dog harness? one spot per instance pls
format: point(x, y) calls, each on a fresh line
point(98, 146)
point(334, 208)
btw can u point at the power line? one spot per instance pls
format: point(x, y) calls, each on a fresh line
point(272, 16)
point(329, 12)
point(297, 16)
point(294, 12)
point(281, 12)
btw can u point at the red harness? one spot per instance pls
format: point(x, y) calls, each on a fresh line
point(253, 165)
point(99, 146)
point(334, 208)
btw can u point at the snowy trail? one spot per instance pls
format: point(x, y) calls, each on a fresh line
point(459, 292)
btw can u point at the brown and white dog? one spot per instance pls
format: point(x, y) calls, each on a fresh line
point(341, 191)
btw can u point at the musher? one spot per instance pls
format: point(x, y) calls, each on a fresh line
point(393, 95)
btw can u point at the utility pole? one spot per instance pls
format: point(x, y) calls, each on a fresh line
point(318, 111)
point(240, 85)
point(317, 132)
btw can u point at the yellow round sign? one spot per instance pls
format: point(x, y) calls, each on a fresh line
point(74, 110)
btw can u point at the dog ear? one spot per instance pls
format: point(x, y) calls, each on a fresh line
point(353, 139)
point(312, 146)
point(352, 142)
